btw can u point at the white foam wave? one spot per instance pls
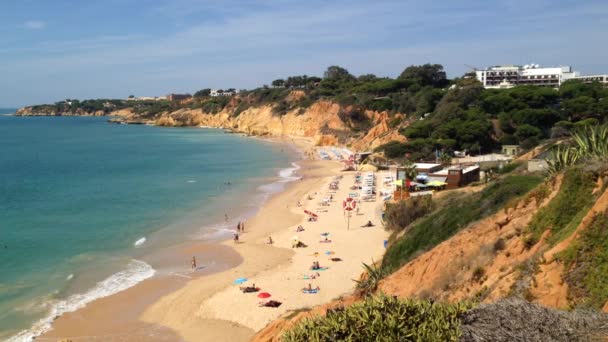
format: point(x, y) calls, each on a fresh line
point(70, 277)
point(191, 181)
point(288, 174)
point(135, 272)
point(140, 242)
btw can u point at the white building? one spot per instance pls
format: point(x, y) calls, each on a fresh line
point(220, 92)
point(507, 76)
point(593, 78)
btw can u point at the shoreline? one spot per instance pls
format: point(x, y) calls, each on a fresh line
point(149, 310)
point(225, 259)
point(197, 238)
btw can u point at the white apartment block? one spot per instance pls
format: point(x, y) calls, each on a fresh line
point(507, 76)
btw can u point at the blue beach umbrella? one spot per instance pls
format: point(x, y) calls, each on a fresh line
point(240, 281)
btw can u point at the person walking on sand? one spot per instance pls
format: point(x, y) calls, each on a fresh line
point(243, 227)
point(238, 226)
point(225, 217)
point(193, 263)
point(236, 237)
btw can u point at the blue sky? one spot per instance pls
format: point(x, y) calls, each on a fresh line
point(51, 50)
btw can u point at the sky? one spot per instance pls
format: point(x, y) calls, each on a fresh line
point(53, 50)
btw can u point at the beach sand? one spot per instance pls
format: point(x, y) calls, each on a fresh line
point(207, 306)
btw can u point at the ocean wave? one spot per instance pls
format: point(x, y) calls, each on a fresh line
point(288, 174)
point(140, 242)
point(135, 272)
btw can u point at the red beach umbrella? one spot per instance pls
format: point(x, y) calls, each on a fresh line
point(264, 295)
point(310, 213)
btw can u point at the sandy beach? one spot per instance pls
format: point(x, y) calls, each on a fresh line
point(206, 306)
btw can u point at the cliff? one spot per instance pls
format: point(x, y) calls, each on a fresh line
point(493, 258)
point(324, 122)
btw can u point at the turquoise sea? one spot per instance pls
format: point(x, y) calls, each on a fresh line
point(81, 199)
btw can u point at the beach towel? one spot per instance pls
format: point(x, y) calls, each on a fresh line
point(313, 291)
point(319, 269)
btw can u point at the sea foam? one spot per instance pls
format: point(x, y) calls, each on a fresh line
point(135, 272)
point(140, 242)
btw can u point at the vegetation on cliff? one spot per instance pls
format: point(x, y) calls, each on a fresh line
point(430, 110)
point(454, 214)
point(587, 263)
point(383, 318)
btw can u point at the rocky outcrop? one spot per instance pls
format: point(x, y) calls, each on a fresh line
point(51, 111)
point(325, 122)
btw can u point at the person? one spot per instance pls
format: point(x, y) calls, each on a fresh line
point(193, 263)
point(238, 226)
point(369, 224)
point(300, 229)
point(270, 240)
point(226, 217)
point(236, 237)
point(243, 227)
point(309, 287)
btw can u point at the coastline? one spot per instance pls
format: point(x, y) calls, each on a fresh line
point(176, 256)
point(192, 306)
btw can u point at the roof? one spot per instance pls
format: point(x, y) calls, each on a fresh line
point(426, 165)
point(436, 179)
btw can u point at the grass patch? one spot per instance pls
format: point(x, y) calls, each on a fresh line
point(586, 263)
point(509, 167)
point(453, 215)
point(383, 318)
point(565, 210)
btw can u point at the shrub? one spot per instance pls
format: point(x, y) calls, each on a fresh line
point(478, 273)
point(454, 215)
point(383, 318)
point(564, 211)
point(586, 263)
point(499, 245)
point(401, 214)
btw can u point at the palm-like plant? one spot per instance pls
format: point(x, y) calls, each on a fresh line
point(410, 170)
point(587, 143)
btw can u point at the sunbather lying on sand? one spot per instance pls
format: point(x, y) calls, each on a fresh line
point(368, 224)
point(271, 304)
point(300, 228)
point(310, 289)
point(336, 259)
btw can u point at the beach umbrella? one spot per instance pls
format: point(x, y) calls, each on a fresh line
point(240, 281)
point(308, 212)
point(263, 295)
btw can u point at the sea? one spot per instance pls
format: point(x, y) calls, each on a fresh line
point(81, 200)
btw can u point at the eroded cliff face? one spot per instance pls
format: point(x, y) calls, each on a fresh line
point(322, 122)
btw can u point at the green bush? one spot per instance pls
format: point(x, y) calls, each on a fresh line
point(566, 210)
point(383, 318)
point(587, 265)
point(453, 215)
point(401, 214)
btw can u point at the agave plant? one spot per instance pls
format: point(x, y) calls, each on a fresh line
point(562, 157)
point(587, 143)
point(369, 283)
point(592, 141)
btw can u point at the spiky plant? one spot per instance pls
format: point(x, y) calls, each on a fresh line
point(369, 283)
point(410, 170)
point(587, 143)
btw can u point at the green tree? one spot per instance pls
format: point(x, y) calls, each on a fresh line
point(278, 83)
point(426, 75)
point(335, 72)
point(202, 93)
